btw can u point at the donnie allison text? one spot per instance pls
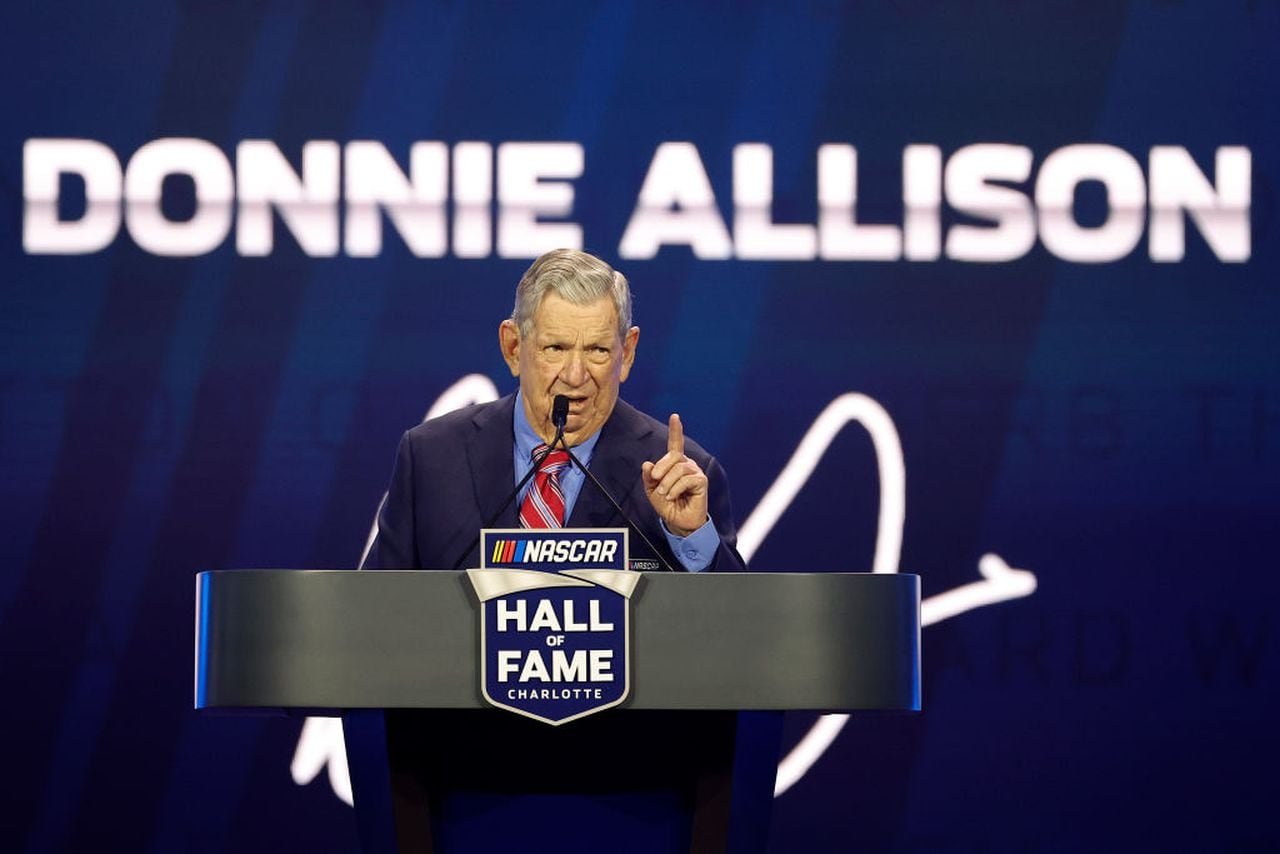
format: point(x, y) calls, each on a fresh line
point(473, 201)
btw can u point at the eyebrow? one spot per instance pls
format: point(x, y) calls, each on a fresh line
point(546, 337)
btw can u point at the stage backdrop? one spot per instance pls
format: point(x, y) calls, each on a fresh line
point(993, 283)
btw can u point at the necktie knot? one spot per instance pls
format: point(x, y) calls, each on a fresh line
point(543, 505)
point(554, 462)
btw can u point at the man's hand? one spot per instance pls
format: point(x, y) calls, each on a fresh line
point(676, 486)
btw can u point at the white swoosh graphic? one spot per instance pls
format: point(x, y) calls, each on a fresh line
point(321, 741)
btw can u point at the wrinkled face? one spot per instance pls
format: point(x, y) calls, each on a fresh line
point(572, 350)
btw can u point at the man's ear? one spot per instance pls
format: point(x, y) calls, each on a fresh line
point(629, 352)
point(509, 341)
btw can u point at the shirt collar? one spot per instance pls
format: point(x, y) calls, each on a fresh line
point(527, 440)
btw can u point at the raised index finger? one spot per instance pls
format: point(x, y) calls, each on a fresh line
point(675, 435)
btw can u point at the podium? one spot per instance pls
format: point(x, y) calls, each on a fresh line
point(690, 754)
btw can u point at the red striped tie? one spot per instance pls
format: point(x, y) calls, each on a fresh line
point(543, 505)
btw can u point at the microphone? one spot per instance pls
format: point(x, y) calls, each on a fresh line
point(559, 415)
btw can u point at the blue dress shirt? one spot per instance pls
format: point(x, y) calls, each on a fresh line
point(695, 552)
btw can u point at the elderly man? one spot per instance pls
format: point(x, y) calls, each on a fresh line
point(570, 334)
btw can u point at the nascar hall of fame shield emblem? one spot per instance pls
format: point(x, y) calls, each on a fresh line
point(555, 639)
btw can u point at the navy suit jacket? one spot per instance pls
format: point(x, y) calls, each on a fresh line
point(452, 473)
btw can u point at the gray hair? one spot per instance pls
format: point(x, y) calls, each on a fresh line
point(576, 276)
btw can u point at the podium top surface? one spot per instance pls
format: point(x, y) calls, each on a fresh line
point(320, 641)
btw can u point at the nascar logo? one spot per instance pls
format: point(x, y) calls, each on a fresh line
point(590, 551)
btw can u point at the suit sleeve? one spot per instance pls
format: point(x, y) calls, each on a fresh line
point(720, 508)
point(394, 546)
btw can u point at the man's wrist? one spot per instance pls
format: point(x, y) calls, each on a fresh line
point(683, 533)
point(696, 551)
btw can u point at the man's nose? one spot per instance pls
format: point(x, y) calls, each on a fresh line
point(575, 369)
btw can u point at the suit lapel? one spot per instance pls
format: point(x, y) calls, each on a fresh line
point(616, 462)
point(489, 455)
